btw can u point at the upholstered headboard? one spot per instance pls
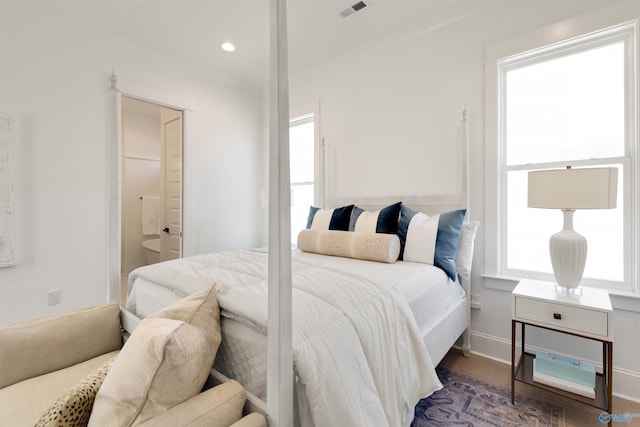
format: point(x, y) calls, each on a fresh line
point(429, 204)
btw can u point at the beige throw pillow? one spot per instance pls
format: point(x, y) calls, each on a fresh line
point(166, 361)
point(74, 408)
point(200, 310)
point(161, 365)
point(378, 247)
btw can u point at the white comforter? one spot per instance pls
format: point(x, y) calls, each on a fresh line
point(358, 356)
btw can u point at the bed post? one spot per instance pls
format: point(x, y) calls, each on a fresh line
point(280, 379)
point(466, 335)
point(465, 162)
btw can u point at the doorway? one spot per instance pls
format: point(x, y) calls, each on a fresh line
point(151, 176)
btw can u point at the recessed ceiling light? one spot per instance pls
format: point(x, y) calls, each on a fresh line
point(228, 47)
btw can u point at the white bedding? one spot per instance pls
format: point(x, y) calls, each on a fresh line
point(358, 353)
point(427, 289)
point(242, 354)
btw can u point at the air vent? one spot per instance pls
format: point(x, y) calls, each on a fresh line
point(353, 9)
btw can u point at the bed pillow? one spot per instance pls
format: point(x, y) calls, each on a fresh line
point(329, 219)
point(366, 246)
point(464, 257)
point(384, 220)
point(431, 239)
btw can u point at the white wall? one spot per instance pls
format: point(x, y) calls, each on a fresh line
point(54, 80)
point(390, 115)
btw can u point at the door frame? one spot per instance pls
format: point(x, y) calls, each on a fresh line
point(124, 87)
point(163, 218)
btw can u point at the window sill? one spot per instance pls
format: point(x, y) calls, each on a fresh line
point(624, 302)
point(500, 283)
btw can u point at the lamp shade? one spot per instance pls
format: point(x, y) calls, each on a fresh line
point(588, 188)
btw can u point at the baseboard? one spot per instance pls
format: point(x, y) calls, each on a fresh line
point(626, 383)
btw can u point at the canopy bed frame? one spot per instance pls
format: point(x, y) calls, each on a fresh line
point(280, 377)
point(281, 406)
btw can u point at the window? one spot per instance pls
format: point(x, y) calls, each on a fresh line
point(568, 104)
point(301, 152)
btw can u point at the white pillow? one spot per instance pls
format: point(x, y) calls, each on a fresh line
point(464, 257)
point(420, 242)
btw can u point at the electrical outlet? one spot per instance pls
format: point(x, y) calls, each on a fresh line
point(54, 296)
point(475, 302)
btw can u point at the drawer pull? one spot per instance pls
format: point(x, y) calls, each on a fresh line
point(557, 316)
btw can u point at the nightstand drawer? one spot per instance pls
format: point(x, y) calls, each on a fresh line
point(573, 319)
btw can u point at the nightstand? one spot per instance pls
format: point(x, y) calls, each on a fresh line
point(589, 316)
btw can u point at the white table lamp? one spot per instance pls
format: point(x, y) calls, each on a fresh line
point(570, 189)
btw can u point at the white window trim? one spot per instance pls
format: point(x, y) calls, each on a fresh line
point(538, 41)
point(318, 154)
point(299, 121)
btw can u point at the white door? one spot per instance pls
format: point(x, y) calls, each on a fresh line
point(171, 211)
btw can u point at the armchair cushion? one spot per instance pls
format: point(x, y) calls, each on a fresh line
point(219, 406)
point(47, 344)
point(74, 408)
point(24, 402)
point(254, 419)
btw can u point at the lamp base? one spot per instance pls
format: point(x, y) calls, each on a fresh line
point(577, 291)
point(568, 251)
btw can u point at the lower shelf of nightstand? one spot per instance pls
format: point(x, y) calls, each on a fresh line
point(524, 374)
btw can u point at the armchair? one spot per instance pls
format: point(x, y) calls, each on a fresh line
point(41, 360)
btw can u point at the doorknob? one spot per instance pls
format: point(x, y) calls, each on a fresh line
point(166, 230)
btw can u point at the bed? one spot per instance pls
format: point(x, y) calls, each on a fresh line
point(353, 374)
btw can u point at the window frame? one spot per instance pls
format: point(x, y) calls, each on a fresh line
point(299, 121)
point(318, 158)
point(524, 50)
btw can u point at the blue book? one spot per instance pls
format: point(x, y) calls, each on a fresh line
point(566, 368)
point(556, 382)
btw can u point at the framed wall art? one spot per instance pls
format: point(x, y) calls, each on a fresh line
point(7, 212)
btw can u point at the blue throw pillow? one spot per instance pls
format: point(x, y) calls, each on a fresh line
point(384, 220)
point(329, 219)
point(431, 239)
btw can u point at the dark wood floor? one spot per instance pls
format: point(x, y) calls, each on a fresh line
point(498, 374)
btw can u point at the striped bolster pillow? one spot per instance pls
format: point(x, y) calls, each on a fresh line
point(366, 246)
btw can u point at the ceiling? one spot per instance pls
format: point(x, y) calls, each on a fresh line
point(195, 29)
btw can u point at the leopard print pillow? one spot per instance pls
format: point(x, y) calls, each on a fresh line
point(74, 408)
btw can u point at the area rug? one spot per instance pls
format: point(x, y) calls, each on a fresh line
point(464, 401)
